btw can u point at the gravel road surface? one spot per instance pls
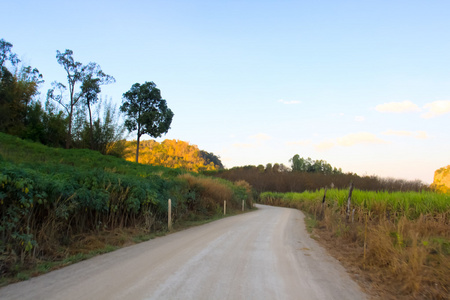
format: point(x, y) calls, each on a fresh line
point(265, 254)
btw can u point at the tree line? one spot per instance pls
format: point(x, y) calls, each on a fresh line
point(309, 175)
point(74, 114)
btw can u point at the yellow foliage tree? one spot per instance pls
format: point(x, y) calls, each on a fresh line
point(441, 182)
point(171, 154)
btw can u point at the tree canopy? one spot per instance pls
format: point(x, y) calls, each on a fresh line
point(146, 111)
point(300, 164)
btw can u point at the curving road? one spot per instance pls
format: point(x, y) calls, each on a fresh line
point(265, 254)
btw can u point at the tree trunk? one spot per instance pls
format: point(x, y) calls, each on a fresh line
point(91, 135)
point(72, 104)
point(137, 148)
point(69, 131)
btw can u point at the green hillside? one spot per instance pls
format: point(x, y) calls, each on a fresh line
point(50, 196)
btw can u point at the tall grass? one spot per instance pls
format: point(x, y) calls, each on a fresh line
point(400, 241)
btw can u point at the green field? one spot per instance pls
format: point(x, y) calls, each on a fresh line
point(408, 204)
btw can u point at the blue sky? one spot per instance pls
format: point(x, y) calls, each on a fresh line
point(364, 85)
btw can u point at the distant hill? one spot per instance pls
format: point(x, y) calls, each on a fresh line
point(173, 154)
point(441, 180)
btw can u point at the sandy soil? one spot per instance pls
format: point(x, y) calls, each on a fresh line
point(265, 254)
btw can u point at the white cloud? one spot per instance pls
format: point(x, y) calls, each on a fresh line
point(261, 137)
point(436, 108)
point(289, 102)
point(398, 107)
point(360, 119)
point(359, 138)
point(415, 134)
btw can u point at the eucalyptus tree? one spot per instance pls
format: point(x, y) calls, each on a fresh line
point(6, 54)
point(146, 111)
point(90, 88)
point(83, 83)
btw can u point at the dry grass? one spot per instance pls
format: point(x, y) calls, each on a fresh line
point(398, 260)
point(210, 193)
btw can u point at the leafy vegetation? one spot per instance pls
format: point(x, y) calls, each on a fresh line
point(398, 240)
point(50, 197)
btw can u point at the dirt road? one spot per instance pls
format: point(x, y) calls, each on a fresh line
point(266, 254)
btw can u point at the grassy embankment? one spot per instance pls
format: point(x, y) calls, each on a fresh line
point(59, 206)
point(398, 242)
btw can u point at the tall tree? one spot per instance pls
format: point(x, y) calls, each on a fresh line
point(90, 88)
point(146, 111)
point(89, 76)
point(6, 54)
point(17, 91)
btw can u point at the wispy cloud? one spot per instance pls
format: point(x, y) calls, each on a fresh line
point(359, 138)
point(360, 119)
point(243, 145)
point(433, 109)
point(421, 135)
point(289, 102)
point(415, 134)
point(253, 141)
point(436, 108)
point(325, 145)
point(352, 139)
point(397, 107)
point(299, 143)
point(261, 137)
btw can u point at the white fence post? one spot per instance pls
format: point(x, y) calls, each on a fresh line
point(169, 222)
